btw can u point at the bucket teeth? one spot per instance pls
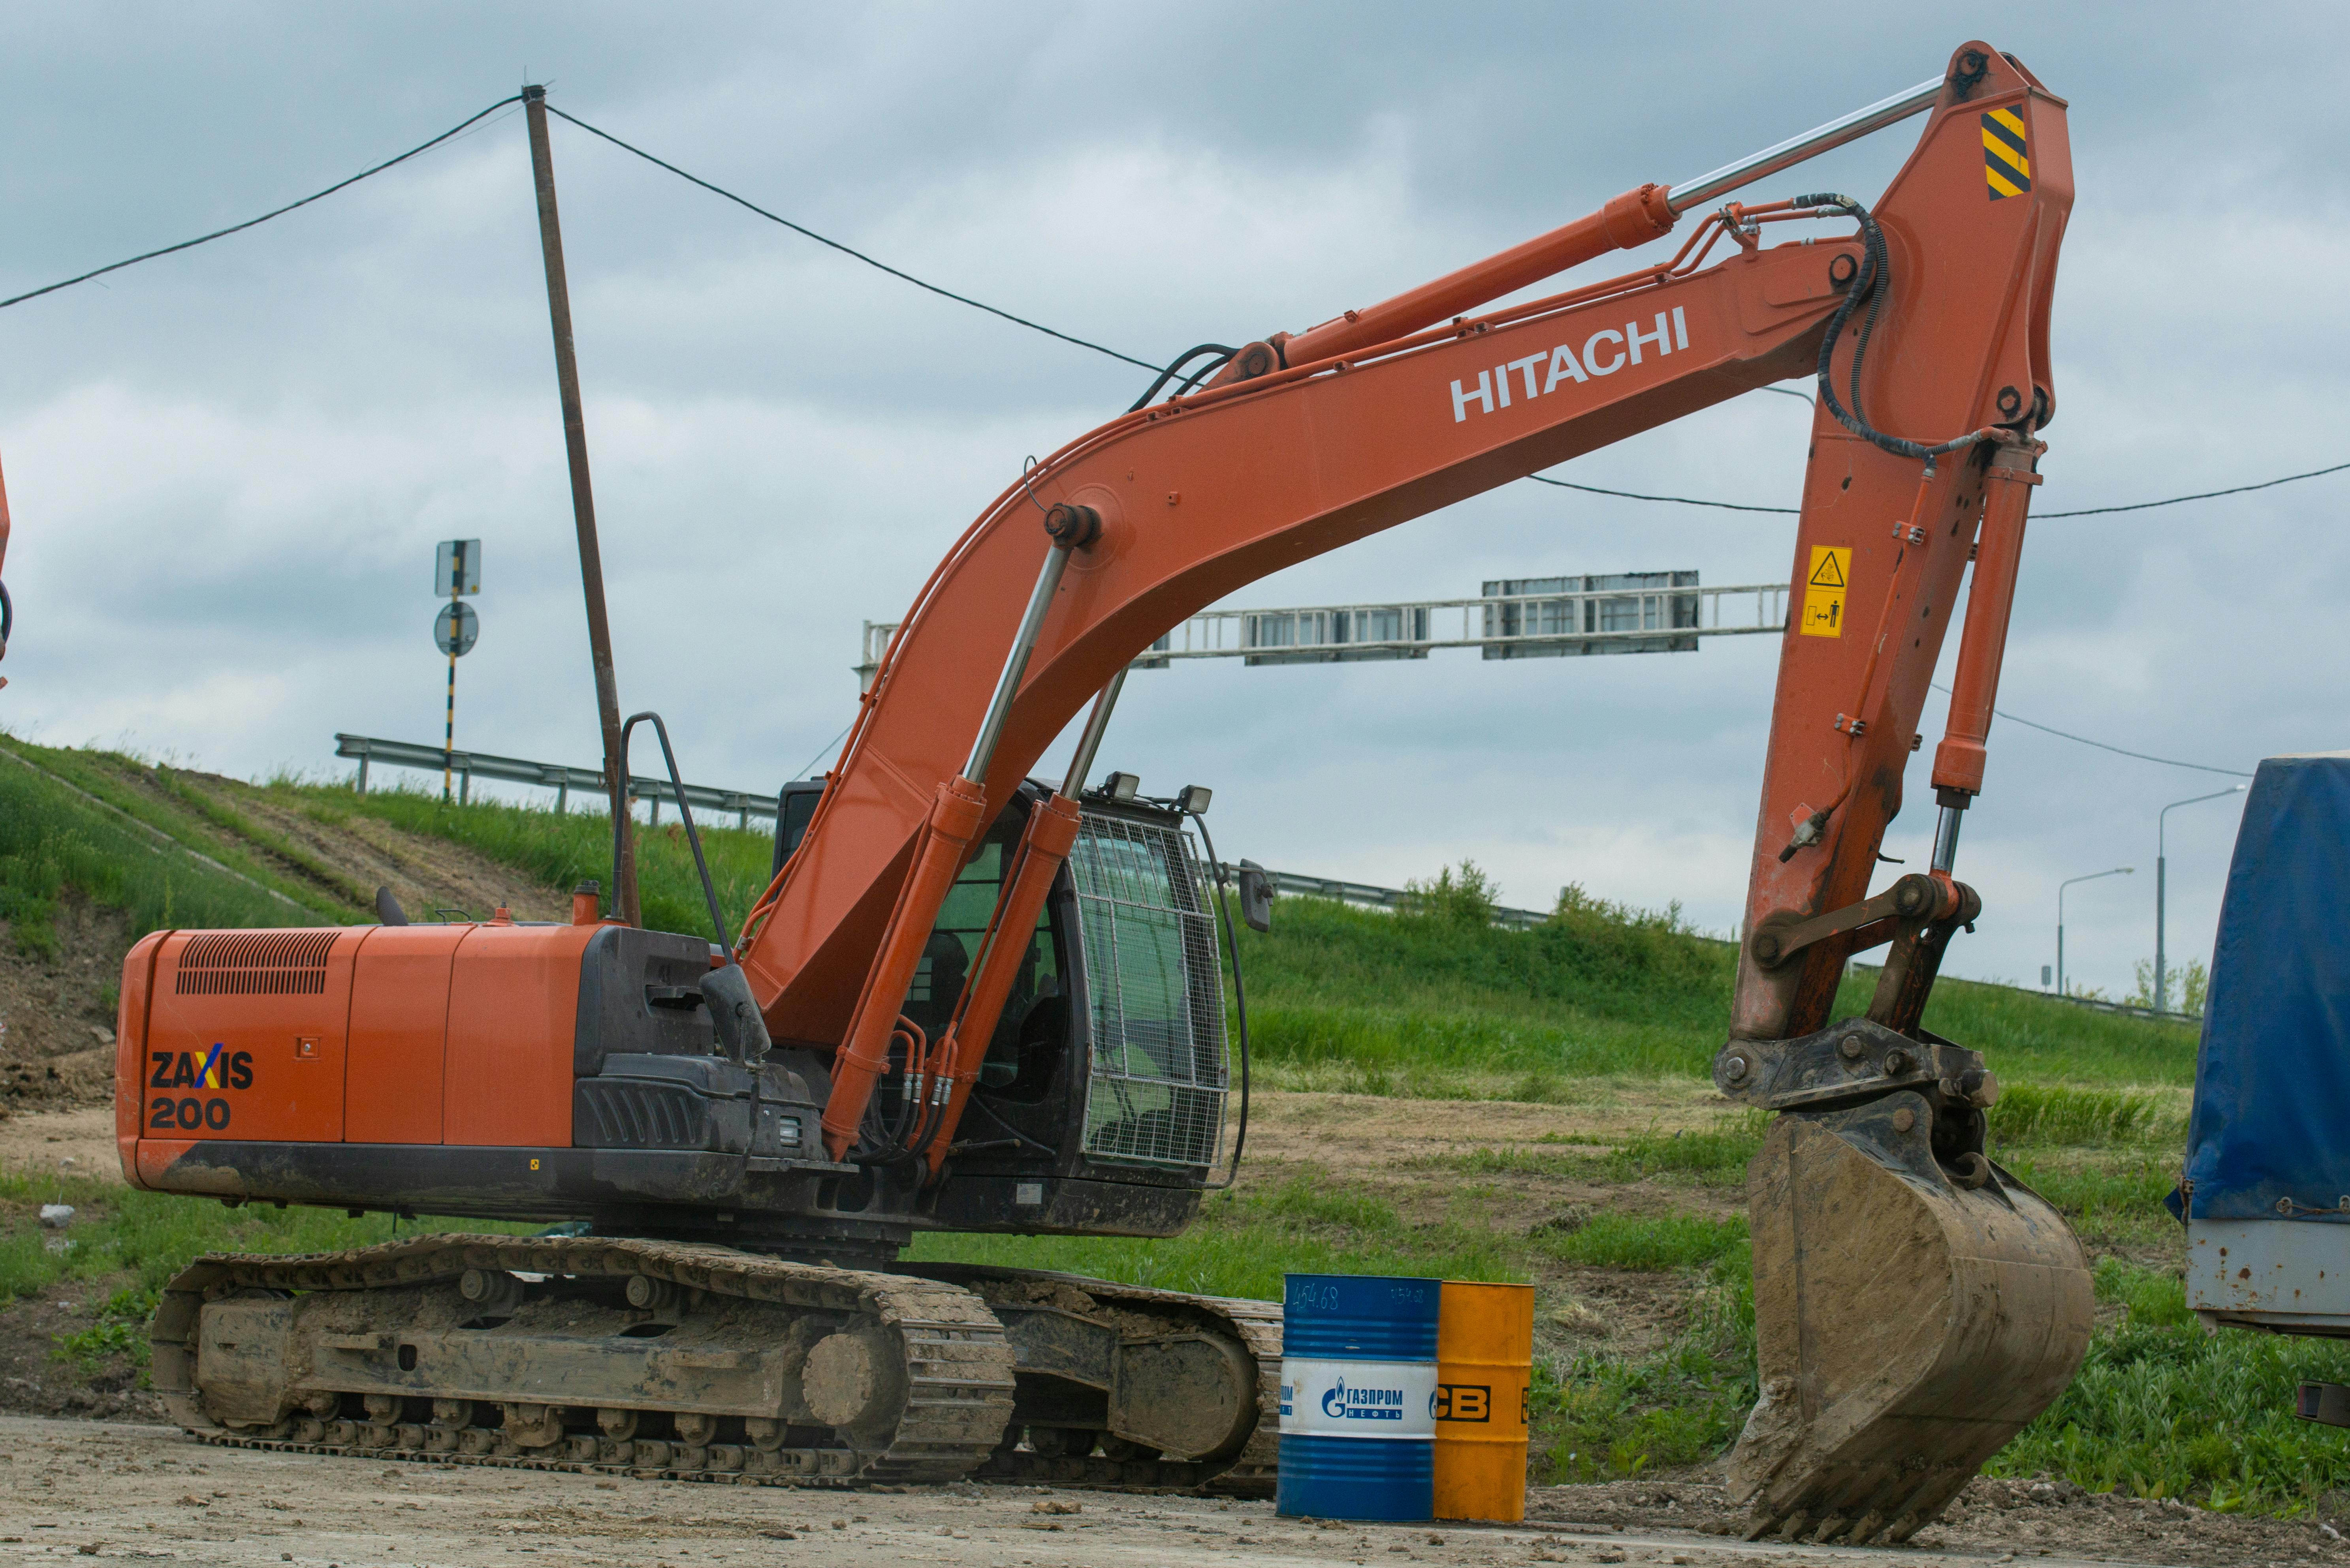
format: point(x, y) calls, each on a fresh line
point(1906, 1327)
point(1830, 1528)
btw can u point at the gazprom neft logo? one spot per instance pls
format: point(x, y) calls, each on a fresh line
point(1359, 1403)
point(1604, 352)
point(1358, 1399)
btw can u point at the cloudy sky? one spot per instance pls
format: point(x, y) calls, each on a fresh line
point(228, 468)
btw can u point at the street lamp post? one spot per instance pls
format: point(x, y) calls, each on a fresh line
point(2116, 871)
point(2161, 878)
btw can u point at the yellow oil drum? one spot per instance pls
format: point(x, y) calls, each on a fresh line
point(1485, 1361)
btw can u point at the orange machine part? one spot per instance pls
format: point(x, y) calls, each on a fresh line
point(395, 1083)
point(953, 823)
point(1629, 221)
point(1045, 844)
point(514, 1006)
point(268, 1065)
point(130, 1051)
point(464, 1036)
point(1202, 496)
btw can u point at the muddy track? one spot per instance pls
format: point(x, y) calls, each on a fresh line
point(956, 1362)
point(957, 1366)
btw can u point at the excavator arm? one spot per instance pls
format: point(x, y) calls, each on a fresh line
point(1928, 329)
point(1205, 493)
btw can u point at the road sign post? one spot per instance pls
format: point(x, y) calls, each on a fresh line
point(456, 572)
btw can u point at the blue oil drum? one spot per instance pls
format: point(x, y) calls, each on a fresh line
point(1357, 1396)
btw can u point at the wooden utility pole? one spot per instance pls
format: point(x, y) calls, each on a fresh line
point(583, 508)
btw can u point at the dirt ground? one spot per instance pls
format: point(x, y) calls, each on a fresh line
point(1385, 1148)
point(163, 1496)
point(57, 1014)
point(425, 875)
point(114, 1490)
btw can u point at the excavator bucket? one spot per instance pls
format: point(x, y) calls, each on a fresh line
point(1907, 1325)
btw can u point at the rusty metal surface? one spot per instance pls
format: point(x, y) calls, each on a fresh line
point(1907, 1325)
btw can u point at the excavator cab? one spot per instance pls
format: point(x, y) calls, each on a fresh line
point(1111, 1042)
point(1100, 1097)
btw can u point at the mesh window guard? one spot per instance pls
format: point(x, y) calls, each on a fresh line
point(1155, 1092)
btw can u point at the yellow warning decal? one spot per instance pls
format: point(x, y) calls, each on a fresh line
point(1824, 590)
point(2007, 165)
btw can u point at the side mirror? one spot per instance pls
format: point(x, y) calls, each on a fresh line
point(1256, 897)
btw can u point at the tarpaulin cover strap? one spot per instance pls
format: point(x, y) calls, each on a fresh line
point(2270, 1137)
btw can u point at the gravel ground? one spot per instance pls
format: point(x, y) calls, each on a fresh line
point(111, 1489)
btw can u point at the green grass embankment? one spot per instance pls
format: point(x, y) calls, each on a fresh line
point(53, 836)
point(55, 833)
point(1360, 999)
point(564, 850)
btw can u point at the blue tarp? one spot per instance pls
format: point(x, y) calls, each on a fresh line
point(2271, 1131)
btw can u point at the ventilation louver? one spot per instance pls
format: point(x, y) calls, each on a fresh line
point(254, 963)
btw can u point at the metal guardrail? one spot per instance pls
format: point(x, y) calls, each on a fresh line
point(1373, 896)
point(557, 777)
point(2127, 1009)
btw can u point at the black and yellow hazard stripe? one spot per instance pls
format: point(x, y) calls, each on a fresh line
point(2006, 163)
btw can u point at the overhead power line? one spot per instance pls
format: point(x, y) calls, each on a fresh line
point(904, 276)
point(2037, 516)
point(749, 205)
point(1675, 500)
point(2103, 746)
point(2203, 495)
point(254, 222)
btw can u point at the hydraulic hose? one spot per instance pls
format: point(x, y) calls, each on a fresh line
point(1873, 286)
point(1175, 368)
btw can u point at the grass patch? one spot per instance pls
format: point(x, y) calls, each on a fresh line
point(1366, 1001)
point(2160, 1410)
point(1612, 1241)
point(1245, 1241)
point(1713, 1157)
point(562, 850)
point(2104, 1195)
point(2155, 1298)
point(1601, 1417)
point(2062, 1113)
point(147, 1237)
point(52, 839)
point(119, 1327)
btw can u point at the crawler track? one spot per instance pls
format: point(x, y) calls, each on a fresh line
point(957, 1366)
point(958, 1417)
point(1254, 1323)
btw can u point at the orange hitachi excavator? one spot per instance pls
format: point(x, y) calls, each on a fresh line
point(972, 1002)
